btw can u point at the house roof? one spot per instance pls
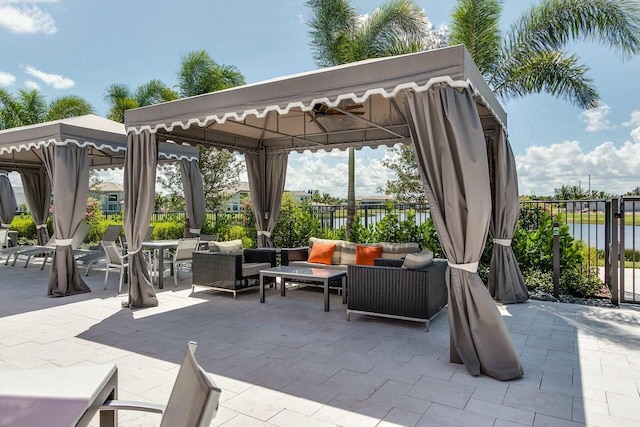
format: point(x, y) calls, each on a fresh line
point(110, 187)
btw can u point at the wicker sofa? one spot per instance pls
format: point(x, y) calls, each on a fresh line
point(231, 272)
point(387, 290)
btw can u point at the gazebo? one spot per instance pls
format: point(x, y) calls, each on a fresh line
point(56, 157)
point(437, 101)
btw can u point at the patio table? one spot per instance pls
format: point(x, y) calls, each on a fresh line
point(58, 397)
point(160, 246)
point(313, 275)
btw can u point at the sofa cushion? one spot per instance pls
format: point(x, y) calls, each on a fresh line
point(230, 247)
point(347, 253)
point(321, 253)
point(419, 260)
point(366, 254)
point(398, 250)
point(253, 268)
point(335, 258)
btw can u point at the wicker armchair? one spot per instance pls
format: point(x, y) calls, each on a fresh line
point(385, 290)
point(231, 272)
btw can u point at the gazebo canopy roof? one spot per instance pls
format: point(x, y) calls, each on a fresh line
point(353, 104)
point(106, 140)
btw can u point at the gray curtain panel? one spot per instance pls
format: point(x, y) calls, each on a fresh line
point(37, 191)
point(193, 194)
point(68, 167)
point(140, 164)
point(267, 173)
point(506, 283)
point(452, 160)
point(7, 200)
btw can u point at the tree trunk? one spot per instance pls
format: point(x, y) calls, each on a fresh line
point(351, 192)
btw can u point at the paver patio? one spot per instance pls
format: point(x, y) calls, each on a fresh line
point(288, 363)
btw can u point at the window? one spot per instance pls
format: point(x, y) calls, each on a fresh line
point(112, 197)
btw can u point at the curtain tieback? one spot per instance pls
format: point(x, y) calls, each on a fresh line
point(194, 230)
point(3, 225)
point(264, 233)
point(133, 252)
point(502, 242)
point(63, 242)
point(3, 173)
point(471, 267)
point(41, 226)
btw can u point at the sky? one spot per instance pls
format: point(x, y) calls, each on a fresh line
point(79, 47)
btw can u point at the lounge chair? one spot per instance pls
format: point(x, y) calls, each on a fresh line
point(116, 259)
point(48, 251)
point(193, 401)
point(92, 256)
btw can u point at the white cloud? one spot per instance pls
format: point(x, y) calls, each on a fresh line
point(328, 172)
point(635, 119)
point(596, 118)
point(56, 81)
point(30, 84)
point(24, 17)
point(612, 169)
point(7, 79)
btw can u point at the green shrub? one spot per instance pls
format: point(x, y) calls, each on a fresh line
point(538, 281)
point(25, 227)
point(575, 283)
point(167, 230)
point(98, 227)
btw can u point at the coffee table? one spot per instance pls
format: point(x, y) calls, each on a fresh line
point(321, 276)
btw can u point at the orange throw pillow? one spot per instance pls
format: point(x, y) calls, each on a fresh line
point(321, 253)
point(366, 254)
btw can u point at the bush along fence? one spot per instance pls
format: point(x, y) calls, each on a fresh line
point(580, 234)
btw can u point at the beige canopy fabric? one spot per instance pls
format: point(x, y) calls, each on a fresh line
point(506, 283)
point(7, 200)
point(361, 104)
point(37, 191)
point(452, 159)
point(139, 184)
point(193, 195)
point(266, 173)
point(68, 169)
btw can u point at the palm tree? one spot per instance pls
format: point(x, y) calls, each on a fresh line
point(530, 57)
point(29, 107)
point(199, 74)
point(339, 35)
point(121, 98)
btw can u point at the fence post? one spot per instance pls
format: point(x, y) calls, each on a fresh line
point(614, 251)
point(607, 244)
point(556, 260)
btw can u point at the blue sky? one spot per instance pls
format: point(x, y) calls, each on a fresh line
point(81, 46)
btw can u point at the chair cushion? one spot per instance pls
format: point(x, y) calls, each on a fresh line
point(253, 268)
point(366, 254)
point(335, 258)
point(322, 253)
point(230, 247)
point(398, 250)
point(347, 253)
point(416, 261)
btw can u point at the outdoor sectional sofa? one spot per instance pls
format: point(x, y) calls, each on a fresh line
point(389, 290)
point(230, 270)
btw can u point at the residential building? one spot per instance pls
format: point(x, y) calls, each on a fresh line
point(239, 193)
point(111, 196)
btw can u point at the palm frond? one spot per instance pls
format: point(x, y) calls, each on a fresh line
point(117, 92)
point(152, 92)
point(33, 106)
point(194, 67)
point(397, 23)
point(551, 72)
point(552, 24)
point(68, 106)
point(9, 110)
point(476, 24)
point(332, 23)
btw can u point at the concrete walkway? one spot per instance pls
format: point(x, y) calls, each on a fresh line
point(288, 363)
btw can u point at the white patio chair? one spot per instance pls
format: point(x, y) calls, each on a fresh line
point(4, 238)
point(115, 259)
point(193, 401)
point(183, 255)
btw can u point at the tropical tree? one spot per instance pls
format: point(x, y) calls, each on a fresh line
point(340, 35)
point(408, 185)
point(121, 98)
point(30, 106)
point(531, 58)
point(199, 74)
